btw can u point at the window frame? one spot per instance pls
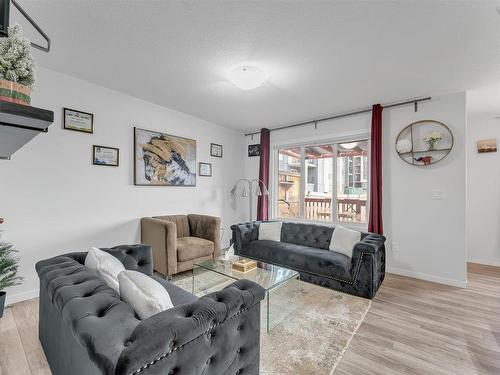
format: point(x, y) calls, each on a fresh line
point(274, 169)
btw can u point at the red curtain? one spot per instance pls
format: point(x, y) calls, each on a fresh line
point(375, 224)
point(263, 200)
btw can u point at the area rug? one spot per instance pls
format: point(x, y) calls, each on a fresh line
point(314, 325)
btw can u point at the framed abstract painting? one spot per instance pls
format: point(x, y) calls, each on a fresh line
point(163, 160)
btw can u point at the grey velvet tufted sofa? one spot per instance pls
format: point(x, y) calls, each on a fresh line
point(304, 248)
point(86, 329)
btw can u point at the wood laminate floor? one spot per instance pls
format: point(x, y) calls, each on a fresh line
point(413, 327)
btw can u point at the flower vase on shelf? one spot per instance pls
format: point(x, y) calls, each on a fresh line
point(432, 139)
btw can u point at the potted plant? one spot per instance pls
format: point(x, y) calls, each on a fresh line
point(17, 74)
point(8, 271)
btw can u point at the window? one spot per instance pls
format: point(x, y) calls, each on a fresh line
point(289, 182)
point(323, 182)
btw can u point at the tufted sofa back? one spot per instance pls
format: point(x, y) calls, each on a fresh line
point(304, 234)
point(217, 334)
point(312, 235)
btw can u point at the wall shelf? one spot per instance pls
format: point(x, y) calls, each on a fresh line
point(412, 148)
point(19, 124)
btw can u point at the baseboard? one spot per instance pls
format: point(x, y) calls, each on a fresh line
point(18, 297)
point(494, 263)
point(427, 277)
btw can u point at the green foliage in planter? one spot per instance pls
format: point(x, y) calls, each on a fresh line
point(9, 263)
point(16, 62)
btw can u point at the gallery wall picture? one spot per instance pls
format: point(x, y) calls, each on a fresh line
point(254, 150)
point(215, 150)
point(78, 120)
point(487, 145)
point(163, 160)
point(103, 155)
point(205, 169)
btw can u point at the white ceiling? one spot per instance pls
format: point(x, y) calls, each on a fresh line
point(322, 57)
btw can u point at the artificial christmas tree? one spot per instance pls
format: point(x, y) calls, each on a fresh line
point(17, 74)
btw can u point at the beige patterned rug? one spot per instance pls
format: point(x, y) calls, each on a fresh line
point(313, 325)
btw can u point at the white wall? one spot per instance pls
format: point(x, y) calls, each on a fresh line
point(431, 234)
point(483, 191)
point(55, 201)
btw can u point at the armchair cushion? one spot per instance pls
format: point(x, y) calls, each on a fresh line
point(189, 248)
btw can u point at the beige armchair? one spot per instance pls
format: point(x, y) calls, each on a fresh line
point(179, 241)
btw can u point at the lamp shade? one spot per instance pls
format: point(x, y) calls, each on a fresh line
point(234, 190)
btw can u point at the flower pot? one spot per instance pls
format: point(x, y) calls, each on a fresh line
point(14, 92)
point(2, 302)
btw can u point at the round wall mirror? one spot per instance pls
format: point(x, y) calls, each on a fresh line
point(424, 143)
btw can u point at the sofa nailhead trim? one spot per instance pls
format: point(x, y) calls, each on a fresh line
point(165, 355)
point(316, 274)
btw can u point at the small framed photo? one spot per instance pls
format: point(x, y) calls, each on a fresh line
point(108, 156)
point(215, 150)
point(78, 120)
point(205, 169)
point(253, 150)
point(487, 145)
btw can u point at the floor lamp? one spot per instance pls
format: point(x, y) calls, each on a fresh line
point(245, 187)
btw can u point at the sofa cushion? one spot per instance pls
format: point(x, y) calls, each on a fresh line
point(106, 265)
point(301, 258)
point(344, 239)
point(189, 248)
point(270, 231)
point(146, 295)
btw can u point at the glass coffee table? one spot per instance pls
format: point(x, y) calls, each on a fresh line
point(212, 275)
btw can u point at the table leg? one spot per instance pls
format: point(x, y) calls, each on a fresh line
point(268, 311)
point(192, 287)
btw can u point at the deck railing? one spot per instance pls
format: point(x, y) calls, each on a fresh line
point(320, 209)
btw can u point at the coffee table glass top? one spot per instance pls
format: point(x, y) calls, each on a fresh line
point(266, 275)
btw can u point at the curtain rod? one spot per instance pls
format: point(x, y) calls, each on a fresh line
point(347, 114)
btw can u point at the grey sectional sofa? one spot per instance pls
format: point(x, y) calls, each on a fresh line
point(86, 329)
point(304, 248)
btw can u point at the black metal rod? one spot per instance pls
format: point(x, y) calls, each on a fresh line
point(35, 25)
point(347, 114)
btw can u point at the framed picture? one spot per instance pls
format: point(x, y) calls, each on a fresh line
point(163, 160)
point(102, 155)
point(205, 169)
point(215, 150)
point(254, 150)
point(78, 120)
point(487, 145)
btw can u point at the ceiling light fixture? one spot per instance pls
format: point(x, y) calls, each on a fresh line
point(350, 145)
point(247, 77)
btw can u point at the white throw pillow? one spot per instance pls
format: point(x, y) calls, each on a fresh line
point(146, 295)
point(270, 231)
point(344, 239)
point(106, 266)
